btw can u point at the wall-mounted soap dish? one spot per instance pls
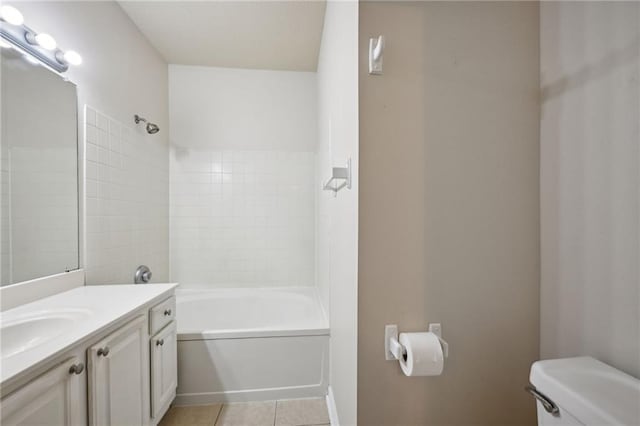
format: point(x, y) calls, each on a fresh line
point(340, 178)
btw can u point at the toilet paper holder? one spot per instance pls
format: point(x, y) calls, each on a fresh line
point(393, 350)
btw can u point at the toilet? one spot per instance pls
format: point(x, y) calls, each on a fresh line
point(584, 391)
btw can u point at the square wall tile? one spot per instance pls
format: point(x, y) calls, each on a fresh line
point(123, 231)
point(252, 216)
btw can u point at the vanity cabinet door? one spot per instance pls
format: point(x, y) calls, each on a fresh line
point(54, 398)
point(119, 377)
point(164, 369)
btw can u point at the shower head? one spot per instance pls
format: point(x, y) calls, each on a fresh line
point(151, 128)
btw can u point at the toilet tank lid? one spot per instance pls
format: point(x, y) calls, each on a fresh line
point(590, 390)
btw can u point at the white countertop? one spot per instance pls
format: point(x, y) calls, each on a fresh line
point(99, 306)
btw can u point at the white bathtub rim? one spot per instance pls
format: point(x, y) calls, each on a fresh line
point(201, 287)
point(185, 335)
point(185, 292)
point(319, 326)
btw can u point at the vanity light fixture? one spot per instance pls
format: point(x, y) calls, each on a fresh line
point(43, 40)
point(11, 15)
point(71, 57)
point(36, 46)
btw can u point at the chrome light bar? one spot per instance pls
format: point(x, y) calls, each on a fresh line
point(39, 46)
point(19, 35)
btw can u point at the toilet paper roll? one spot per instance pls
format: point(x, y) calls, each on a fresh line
point(424, 354)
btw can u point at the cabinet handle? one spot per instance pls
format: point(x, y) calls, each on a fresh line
point(160, 342)
point(103, 351)
point(76, 368)
point(167, 312)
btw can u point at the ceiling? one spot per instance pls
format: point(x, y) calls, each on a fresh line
point(276, 35)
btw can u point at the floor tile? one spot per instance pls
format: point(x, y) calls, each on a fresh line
point(302, 412)
point(199, 415)
point(247, 414)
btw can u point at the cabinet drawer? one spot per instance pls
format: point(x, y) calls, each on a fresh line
point(161, 314)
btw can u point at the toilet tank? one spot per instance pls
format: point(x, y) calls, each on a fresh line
point(585, 392)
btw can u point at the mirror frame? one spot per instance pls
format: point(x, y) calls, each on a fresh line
point(24, 291)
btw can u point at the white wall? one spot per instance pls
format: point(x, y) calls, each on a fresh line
point(590, 181)
point(242, 109)
point(337, 225)
point(242, 177)
point(121, 75)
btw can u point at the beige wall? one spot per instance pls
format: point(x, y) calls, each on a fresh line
point(590, 165)
point(449, 211)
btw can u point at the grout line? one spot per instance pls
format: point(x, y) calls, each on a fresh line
point(215, 421)
point(275, 413)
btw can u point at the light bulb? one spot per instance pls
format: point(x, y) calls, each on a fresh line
point(5, 44)
point(45, 41)
point(72, 57)
point(11, 15)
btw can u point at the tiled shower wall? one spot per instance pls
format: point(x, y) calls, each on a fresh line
point(242, 218)
point(242, 171)
point(126, 196)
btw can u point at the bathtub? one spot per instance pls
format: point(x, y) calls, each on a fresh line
point(250, 345)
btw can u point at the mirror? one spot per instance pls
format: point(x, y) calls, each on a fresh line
point(39, 171)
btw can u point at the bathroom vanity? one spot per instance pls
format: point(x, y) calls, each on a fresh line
point(99, 355)
point(94, 355)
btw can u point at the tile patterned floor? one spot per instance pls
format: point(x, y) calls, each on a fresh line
point(293, 412)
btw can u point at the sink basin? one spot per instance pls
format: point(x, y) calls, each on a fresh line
point(30, 330)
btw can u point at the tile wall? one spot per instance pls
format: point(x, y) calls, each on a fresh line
point(242, 218)
point(126, 201)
